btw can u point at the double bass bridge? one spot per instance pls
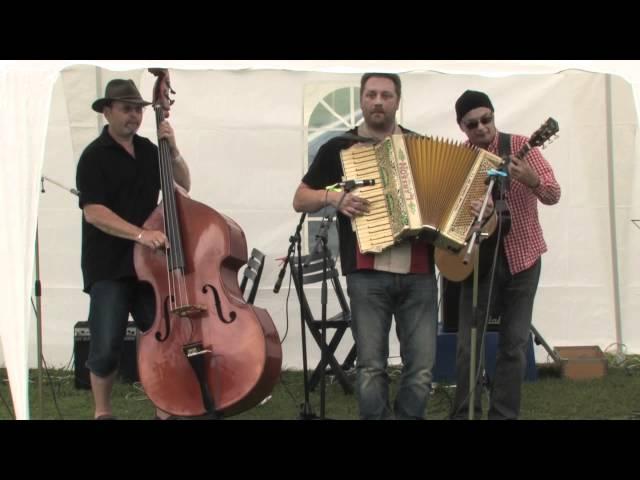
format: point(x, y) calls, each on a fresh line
point(195, 349)
point(189, 311)
point(182, 311)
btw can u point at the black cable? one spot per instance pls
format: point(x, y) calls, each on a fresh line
point(286, 310)
point(441, 296)
point(6, 404)
point(66, 368)
point(44, 363)
point(53, 393)
point(286, 388)
point(70, 362)
point(448, 397)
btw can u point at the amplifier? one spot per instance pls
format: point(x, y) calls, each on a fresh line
point(450, 292)
point(128, 370)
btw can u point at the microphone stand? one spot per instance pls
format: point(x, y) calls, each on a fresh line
point(306, 412)
point(322, 246)
point(476, 238)
point(38, 294)
point(293, 240)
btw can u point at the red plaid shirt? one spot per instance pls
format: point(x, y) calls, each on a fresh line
point(525, 244)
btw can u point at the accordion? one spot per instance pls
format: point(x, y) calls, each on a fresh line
point(423, 185)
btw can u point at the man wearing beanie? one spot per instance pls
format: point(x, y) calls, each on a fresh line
point(517, 270)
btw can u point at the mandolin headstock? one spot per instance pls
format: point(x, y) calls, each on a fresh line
point(544, 133)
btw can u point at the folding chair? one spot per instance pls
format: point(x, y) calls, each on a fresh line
point(340, 322)
point(253, 272)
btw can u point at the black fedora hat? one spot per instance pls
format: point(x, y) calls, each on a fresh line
point(121, 90)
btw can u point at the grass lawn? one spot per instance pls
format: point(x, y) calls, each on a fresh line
point(614, 397)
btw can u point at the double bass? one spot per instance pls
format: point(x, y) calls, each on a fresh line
point(208, 353)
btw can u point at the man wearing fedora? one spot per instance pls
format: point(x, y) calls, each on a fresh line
point(518, 263)
point(119, 182)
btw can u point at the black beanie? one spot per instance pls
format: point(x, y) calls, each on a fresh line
point(470, 100)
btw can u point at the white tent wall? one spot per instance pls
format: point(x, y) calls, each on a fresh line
point(22, 113)
point(626, 146)
point(574, 304)
point(242, 133)
point(245, 152)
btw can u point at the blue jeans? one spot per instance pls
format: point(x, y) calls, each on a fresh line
point(375, 297)
point(111, 303)
point(513, 298)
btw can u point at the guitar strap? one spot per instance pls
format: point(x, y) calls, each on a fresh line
point(504, 144)
point(500, 193)
point(504, 150)
point(500, 190)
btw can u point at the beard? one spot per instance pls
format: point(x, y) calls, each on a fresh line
point(378, 120)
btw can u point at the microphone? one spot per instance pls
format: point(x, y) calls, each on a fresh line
point(351, 184)
point(492, 172)
point(276, 289)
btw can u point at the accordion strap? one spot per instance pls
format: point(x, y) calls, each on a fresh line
point(357, 138)
point(352, 137)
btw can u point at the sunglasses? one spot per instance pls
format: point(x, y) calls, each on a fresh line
point(473, 124)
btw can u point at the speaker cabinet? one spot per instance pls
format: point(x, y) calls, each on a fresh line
point(451, 312)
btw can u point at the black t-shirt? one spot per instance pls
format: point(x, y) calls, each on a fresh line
point(325, 170)
point(109, 176)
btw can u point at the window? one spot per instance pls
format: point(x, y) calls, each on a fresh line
point(329, 111)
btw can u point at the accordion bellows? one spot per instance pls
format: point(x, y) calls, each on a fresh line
point(423, 185)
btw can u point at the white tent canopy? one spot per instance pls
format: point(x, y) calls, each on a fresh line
point(242, 126)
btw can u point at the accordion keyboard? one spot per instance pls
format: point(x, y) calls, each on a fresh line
point(373, 229)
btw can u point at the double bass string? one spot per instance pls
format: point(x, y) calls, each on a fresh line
point(164, 182)
point(177, 287)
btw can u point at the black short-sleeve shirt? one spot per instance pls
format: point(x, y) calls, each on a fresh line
point(108, 175)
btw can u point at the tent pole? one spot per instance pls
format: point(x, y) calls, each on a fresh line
point(612, 213)
point(38, 295)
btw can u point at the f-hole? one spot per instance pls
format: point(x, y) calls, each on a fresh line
point(167, 322)
point(216, 298)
